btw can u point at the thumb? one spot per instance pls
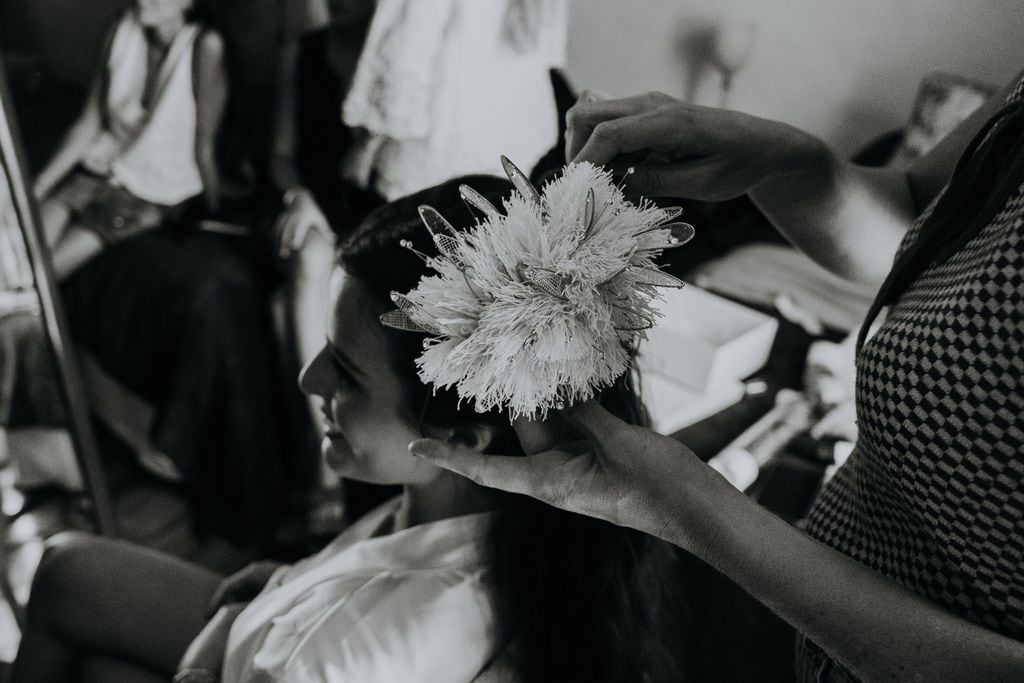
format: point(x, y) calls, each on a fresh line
point(594, 421)
point(467, 462)
point(506, 472)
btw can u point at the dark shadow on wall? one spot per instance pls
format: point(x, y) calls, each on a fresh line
point(65, 36)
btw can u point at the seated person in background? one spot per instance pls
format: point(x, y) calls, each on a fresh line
point(432, 586)
point(180, 321)
point(144, 142)
point(389, 98)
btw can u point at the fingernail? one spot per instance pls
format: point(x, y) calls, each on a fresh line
point(426, 448)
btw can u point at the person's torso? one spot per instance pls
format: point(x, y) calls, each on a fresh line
point(933, 495)
point(411, 605)
point(148, 140)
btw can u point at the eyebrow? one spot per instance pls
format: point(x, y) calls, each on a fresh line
point(344, 360)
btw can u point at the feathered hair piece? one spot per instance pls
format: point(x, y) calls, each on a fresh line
point(538, 308)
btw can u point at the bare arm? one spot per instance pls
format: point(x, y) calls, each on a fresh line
point(210, 85)
point(636, 478)
point(75, 143)
point(300, 213)
point(299, 19)
point(849, 218)
point(282, 162)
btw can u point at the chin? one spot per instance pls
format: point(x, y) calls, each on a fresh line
point(344, 462)
point(337, 454)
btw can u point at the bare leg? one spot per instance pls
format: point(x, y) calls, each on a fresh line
point(74, 249)
point(96, 599)
point(54, 216)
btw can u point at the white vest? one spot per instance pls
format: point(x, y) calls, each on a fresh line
point(152, 156)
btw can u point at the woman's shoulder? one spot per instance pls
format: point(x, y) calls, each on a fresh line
point(119, 25)
point(208, 62)
point(209, 43)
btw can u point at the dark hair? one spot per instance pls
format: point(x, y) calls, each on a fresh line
point(582, 598)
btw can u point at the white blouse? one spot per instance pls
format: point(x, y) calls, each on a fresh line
point(151, 154)
point(414, 605)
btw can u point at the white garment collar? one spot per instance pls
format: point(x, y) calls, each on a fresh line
point(453, 542)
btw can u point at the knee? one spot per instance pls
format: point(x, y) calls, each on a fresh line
point(70, 562)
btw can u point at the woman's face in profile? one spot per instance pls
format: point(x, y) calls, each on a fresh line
point(367, 425)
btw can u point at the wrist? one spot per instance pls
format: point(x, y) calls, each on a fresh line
point(796, 155)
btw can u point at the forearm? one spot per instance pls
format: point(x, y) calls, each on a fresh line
point(283, 171)
point(878, 629)
point(210, 88)
point(848, 218)
point(851, 218)
point(71, 151)
point(208, 171)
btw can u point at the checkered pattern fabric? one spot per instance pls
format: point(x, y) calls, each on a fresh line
point(933, 495)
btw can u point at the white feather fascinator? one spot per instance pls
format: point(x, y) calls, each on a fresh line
point(538, 307)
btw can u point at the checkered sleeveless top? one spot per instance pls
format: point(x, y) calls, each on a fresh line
point(933, 494)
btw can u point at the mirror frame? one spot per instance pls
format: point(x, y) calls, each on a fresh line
point(51, 308)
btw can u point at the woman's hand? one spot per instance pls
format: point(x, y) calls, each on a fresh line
point(633, 477)
point(621, 473)
point(848, 218)
point(301, 214)
point(204, 657)
point(683, 150)
point(243, 585)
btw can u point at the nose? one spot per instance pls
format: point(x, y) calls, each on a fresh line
point(316, 378)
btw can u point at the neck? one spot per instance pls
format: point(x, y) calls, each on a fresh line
point(449, 495)
point(164, 32)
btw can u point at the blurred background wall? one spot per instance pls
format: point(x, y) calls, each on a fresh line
point(845, 70)
point(67, 34)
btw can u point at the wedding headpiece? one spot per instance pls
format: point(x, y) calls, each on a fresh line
point(537, 308)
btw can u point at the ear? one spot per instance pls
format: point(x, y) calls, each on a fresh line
point(476, 436)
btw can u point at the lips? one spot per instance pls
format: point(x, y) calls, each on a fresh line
point(336, 448)
point(329, 426)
